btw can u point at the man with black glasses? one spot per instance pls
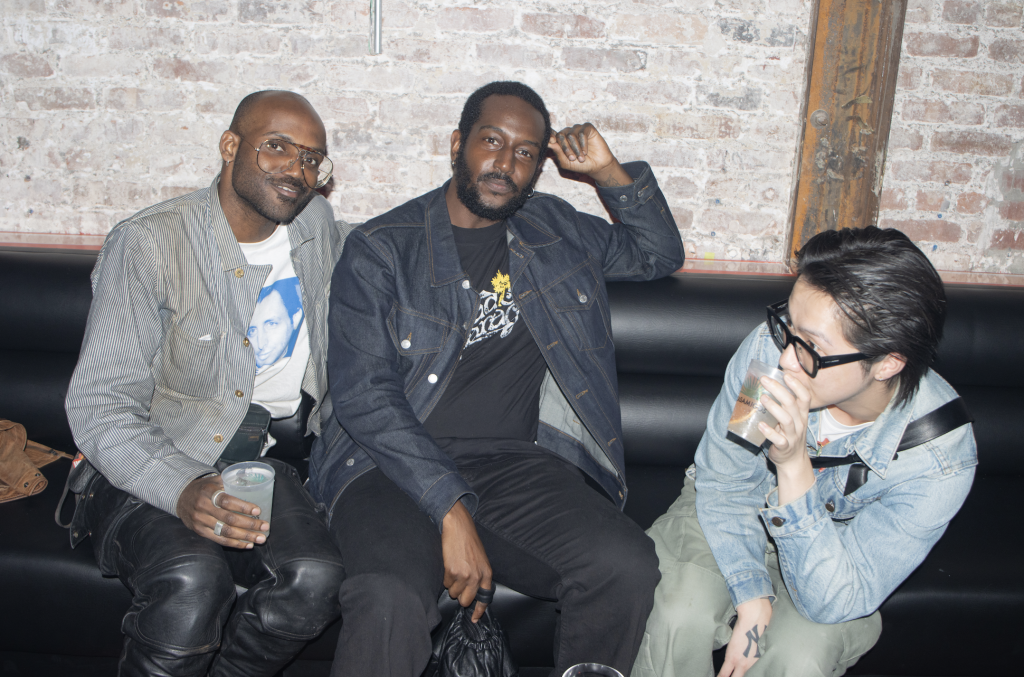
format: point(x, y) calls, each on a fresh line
point(209, 318)
point(786, 554)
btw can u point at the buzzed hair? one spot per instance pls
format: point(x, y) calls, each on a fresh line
point(246, 105)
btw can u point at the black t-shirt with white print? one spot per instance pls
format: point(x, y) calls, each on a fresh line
point(493, 396)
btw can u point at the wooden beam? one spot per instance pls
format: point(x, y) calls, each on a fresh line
point(851, 84)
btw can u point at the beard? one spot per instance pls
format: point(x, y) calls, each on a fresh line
point(255, 188)
point(469, 192)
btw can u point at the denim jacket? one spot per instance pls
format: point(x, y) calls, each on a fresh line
point(401, 306)
point(841, 556)
point(165, 374)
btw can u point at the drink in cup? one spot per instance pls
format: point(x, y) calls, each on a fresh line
point(749, 411)
point(591, 670)
point(251, 481)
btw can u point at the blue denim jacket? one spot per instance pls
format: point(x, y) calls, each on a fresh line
point(842, 563)
point(401, 306)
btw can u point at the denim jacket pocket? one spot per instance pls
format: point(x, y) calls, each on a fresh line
point(418, 338)
point(192, 367)
point(577, 298)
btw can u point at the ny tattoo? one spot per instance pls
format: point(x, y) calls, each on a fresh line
point(752, 638)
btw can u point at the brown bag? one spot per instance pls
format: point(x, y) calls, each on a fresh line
point(20, 461)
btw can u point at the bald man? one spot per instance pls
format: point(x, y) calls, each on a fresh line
point(169, 391)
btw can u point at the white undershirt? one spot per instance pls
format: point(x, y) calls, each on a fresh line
point(277, 331)
point(830, 430)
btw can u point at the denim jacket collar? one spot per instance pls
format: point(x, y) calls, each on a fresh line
point(876, 445)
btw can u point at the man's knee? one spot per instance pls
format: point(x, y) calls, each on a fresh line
point(304, 599)
point(182, 604)
point(629, 562)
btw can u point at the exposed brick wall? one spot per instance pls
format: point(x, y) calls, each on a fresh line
point(108, 106)
point(955, 169)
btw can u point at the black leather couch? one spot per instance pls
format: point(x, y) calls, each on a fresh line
point(961, 613)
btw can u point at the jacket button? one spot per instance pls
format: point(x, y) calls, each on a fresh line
point(245, 342)
point(218, 438)
point(432, 378)
point(239, 272)
point(583, 298)
point(622, 198)
point(239, 393)
point(830, 506)
point(465, 284)
point(778, 521)
point(406, 344)
point(350, 462)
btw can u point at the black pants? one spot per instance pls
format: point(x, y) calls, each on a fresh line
point(546, 533)
point(184, 618)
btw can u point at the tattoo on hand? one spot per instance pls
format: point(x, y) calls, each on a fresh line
point(752, 638)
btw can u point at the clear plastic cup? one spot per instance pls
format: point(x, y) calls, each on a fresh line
point(251, 481)
point(749, 411)
point(591, 670)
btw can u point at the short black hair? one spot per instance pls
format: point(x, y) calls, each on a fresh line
point(475, 103)
point(891, 298)
point(246, 105)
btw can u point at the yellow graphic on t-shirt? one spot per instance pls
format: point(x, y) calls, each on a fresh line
point(500, 284)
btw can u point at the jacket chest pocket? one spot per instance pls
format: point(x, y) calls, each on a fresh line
point(192, 366)
point(418, 338)
point(577, 301)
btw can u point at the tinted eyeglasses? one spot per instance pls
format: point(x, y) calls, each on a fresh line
point(274, 156)
point(810, 361)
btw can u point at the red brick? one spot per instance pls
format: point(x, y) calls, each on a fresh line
point(939, 44)
point(261, 11)
point(919, 11)
point(687, 126)
point(971, 203)
point(678, 187)
point(673, 29)
point(56, 98)
point(935, 172)
point(920, 110)
point(604, 60)
point(973, 82)
point(1007, 51)
point(26, 65)
point(683, 217)
point(926, 230)
point(513, 56)
point(909, 77)
point(902, 137)
point(176, 9)
point(191, 71)
point(1003, 14)
point(893, 198)
point(1012, 211)
point(1007, 238)
point(930, 200)
point(563, 25)
point(656, 92)
point(1008, 116)
point(961, 12)
point(471, 19)
point(972, 143)
point(1013, 181)
point(621, 122)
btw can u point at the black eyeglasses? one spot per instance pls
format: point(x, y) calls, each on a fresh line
point(274, 156)
point(809, 360)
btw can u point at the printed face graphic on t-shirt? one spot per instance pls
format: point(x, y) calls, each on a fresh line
point(498, 312)
point(275, 323)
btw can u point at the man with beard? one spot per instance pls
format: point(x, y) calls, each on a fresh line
point(166, 395)
point(473, 376)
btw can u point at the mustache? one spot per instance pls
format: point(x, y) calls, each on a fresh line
point(498, 176)
point(285, 180)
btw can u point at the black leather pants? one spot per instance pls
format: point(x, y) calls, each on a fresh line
point(184, 618)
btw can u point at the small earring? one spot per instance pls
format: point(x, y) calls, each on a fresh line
point(453, 164)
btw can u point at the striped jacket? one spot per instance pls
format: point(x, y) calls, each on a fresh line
point(165, 374)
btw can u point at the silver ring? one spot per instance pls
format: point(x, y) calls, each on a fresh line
point(216, 495)
point(218, 528)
